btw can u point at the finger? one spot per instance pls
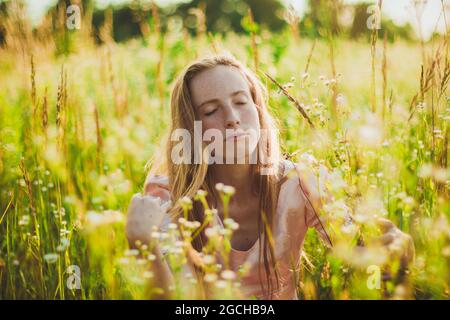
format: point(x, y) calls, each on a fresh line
point(408, 248)
point(385, 239)
point(135, 201)
point(385, 224)
point(396, 249)
point(411, 249)
point(166, 205)
point(136, 197)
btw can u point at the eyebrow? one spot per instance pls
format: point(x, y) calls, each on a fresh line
point(214, 100)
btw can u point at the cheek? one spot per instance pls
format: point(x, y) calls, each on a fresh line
point(250, 118)
point(212, 123)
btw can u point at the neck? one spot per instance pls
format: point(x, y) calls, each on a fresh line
point(237, 175)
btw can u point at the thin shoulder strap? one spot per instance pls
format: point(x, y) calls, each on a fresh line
point(292, 165)
point(288, 166)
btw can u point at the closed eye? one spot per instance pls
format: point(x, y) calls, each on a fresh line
point(210, 112)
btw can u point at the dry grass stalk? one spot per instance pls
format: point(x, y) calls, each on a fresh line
point(334, 86)
point(293, 19)
point(292, 99)
point(373, 47)
point(159, 71)
point(33, 84)
point(213, 42)
point(253, 41)
point(28, 190)
point(200, 16)
point(155, 17)
point(428, 81)
point(160, 43)
point(384, 75)
point(59, 108)
point(44, 114)
point(308, 60)
point(106, 32)
point(99, 136)
point(9, 205)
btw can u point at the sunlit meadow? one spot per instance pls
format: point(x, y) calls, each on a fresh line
point(77, 131)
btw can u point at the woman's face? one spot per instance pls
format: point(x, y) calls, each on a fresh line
point(222, 101)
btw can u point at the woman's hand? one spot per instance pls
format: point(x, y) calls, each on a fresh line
point(148, 210)
point(144, 212)
point(399, 244)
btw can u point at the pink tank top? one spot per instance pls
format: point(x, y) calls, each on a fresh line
point(294, 216)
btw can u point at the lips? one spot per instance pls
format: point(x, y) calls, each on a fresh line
point(236, 135)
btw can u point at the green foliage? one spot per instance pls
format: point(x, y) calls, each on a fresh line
point(66, 177)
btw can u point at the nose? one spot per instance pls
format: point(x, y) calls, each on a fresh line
point(232, 121)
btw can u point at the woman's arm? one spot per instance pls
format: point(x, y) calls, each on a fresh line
point(145, 212)
point(313, 183)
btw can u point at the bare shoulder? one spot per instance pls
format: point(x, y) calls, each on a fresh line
point(289, 192)
point(157, 179)
point(306, 173)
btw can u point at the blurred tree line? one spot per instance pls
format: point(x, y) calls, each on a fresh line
point(140, 17)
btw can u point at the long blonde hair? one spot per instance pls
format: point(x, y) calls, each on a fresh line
point(187, 179)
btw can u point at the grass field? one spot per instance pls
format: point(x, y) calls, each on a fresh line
point(76, 132)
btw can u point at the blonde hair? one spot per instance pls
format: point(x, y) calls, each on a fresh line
point(187, 179)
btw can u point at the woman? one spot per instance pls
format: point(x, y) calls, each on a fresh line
point(273, 195)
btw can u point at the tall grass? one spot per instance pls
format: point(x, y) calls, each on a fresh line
point(76, 132)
